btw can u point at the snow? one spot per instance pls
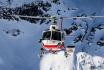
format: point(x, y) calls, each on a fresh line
point(21, 52)
point(56, 61)
point(15, 3)
point(88, 62)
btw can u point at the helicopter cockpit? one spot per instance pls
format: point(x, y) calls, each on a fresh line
point(52, 35)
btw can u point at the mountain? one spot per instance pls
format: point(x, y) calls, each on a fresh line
point(19, 47)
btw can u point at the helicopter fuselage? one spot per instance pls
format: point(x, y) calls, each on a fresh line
point(53, 45)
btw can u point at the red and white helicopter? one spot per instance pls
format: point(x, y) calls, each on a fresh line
point(53, 39)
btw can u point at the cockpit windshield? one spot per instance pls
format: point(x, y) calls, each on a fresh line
point(52, 35)
point(46, 35)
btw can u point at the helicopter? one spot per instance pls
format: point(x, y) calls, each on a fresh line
point(53, 39)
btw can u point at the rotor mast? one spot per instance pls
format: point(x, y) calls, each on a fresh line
point(54, 21)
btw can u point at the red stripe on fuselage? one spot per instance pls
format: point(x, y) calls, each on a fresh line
point(53, 47)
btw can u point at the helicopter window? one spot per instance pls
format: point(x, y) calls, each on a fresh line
point(56, 35)
point(46, 35)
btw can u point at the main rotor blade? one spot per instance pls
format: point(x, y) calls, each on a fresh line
point(83, 17)
point(38, 17)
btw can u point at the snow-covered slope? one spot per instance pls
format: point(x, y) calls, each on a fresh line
point(21, 52)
